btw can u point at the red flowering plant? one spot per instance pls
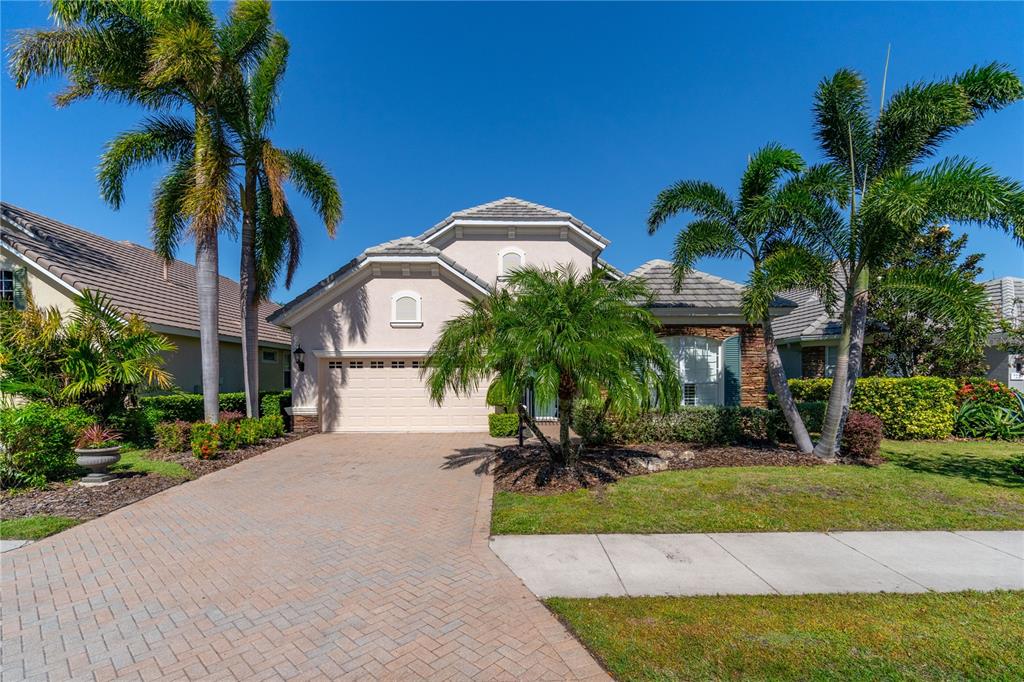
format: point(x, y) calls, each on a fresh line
point(987, 392)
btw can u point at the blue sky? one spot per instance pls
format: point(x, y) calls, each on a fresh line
point(424, 109)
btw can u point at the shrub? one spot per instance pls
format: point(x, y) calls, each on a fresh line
point(862, 437)
point(503, 425)
point(987, 392)
point(189, 406)
point(585, 423)
point(137, 425)
point(250, 432)
point(274, 403)
point(204, 440)
point(272, 426)
point(1017, 465)
point(976, 419)
point(39, 440)
point(229, 434)
point(708, 425)
point(230, 416)
point(911, 408)
point(174, 436)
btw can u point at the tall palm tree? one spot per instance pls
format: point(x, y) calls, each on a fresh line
point(163, 56)
point(879, 197)
point(565, 335)
point(270, 235)
point(760, 226)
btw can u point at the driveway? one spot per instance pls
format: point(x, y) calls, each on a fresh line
point(340, 555)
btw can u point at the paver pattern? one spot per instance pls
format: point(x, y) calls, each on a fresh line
point(338, 556)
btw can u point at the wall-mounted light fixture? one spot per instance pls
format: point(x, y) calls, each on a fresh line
point(300, 357)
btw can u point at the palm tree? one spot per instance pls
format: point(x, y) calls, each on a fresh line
point(270, 234)
point(171, 56)
point(876, 197)
point(758, 225)
point(565, 335)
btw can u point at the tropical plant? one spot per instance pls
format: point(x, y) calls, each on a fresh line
point(876, 197)
point(96, 356)
point(97, 436)
point(985, 420)
point(905, 340)
point(38, 442)
point(271, 240)
point(759, 226)
point(565, 335)
point(169, 56)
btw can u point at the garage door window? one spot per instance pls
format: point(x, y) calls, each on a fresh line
point(376, 364)
point(406, 309)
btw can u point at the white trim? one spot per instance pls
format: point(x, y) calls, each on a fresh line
point(375, 353)
point(310, 305)
point(501, 259)
point(302, 410)
point(469, 222)
point(46, 274)
point(415, 296)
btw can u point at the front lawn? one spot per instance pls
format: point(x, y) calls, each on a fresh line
point(967, 635)
point(923, 485)
point(34, 527)
point(139, 461)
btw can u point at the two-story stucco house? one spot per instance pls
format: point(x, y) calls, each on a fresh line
point(360, 335)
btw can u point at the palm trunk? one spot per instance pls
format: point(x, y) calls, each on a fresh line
point(565, 404)
point(787, 404)
point(830, 430)
point(528, 420)
point(249, 302)
point(859, 323)
point(207, 287)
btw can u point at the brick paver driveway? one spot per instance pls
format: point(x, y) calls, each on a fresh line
point(335, 556)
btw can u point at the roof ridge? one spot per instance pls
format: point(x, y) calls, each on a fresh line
point(644, 267)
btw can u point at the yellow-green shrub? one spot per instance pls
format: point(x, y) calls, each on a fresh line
point(910, 408)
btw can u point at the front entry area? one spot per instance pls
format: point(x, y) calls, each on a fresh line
point(388, 393)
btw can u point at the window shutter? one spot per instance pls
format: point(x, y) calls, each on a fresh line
point(20, 288)
point(731, 357)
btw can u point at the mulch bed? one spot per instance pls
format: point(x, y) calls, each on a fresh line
point(529, 470)
point(87, 502)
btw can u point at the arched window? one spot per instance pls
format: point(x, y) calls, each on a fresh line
point(700, 368)
point(510, 259)
point(406, 309)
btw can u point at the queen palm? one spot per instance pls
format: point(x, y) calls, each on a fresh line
point(566, 336)
point(758, 225)
point(878, 196)
point(270, 235)
point(162, 56)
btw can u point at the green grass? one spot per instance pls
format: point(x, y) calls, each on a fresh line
point(34, 527)
point(968, 635)
point(924, 485)
point(138, 461)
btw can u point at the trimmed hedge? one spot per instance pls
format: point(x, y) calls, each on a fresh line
point(862, 437)
point(708, 425)
point(189, 406)
point(910, 409)
point(207, 440)
point(503, 425)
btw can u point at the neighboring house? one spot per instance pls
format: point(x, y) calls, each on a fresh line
point(54, 262)
point(360, 335)
point(1007, 296)
point(809, 335)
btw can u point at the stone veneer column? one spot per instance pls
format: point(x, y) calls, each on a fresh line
point(812, 362)
point(753, 366)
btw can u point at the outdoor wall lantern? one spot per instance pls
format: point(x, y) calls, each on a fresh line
point(300, 356)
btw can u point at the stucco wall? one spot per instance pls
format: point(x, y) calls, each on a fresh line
point(479, 253)
point(186, 366)
point(360, 319)
point(43, 292)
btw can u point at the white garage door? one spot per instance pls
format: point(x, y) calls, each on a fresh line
point(388, 394)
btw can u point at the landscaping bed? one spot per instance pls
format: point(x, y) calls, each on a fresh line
point(528, 469)
point(68, 499)
point(962, 636)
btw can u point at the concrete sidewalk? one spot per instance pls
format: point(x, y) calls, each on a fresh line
point(764, 563)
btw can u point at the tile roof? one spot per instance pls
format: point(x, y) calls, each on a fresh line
point(403, 246)
point(698, 290)
point(513, 209)
point(131, 275)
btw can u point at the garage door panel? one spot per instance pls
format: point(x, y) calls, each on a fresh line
point(361, 397)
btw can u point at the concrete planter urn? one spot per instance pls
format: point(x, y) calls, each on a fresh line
point(96, 460)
